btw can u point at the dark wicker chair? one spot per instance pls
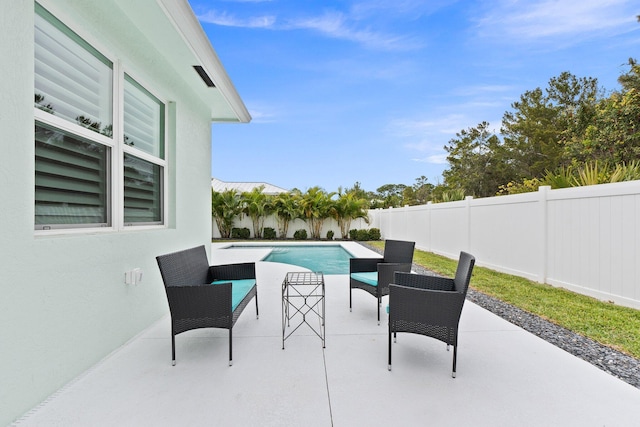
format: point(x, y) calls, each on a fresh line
point(430, 305)
point(398, 256)
point(194, 302)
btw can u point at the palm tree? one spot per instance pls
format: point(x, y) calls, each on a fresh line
point(225, 207)
point(258, 206)
point(316, 206)
point(347, 208)
point(285, 207)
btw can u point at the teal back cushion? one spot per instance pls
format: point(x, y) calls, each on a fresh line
point(239, 289)
point(370, 278)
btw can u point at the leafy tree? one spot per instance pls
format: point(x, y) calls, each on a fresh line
point(285, 207)
point(225, 207)
point(530, 134)
point(478, 163)
point(545, 128)
point(315, 206)
point(391, 195)
point(257, 206)
point(575, 100)
point(614, 136)
point(421, 191)
point(409, 197)
point(348, 207)
point(357, 191)
point(631, 79)
point(438, 191)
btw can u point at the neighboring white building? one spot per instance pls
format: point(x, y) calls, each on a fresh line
point(115, 171)
point(241, 187)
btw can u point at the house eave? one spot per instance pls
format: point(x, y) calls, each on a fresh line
point(188, 46)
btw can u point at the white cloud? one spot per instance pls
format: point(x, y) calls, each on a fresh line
point(544, 19)
point(331, 24)
point(478, 90)
point(412, 8)
point(436, 159)
point(427, 137)
point(222, 18)
point(338, 25)
point(447, 124)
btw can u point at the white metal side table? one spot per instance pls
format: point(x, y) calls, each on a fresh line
point(303, 302)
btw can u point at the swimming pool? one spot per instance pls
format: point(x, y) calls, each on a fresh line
point(329, 259)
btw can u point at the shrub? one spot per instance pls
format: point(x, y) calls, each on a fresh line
point(453, 195)
point(374, 234)
point(526, 186)
point(300, 234)
point(269, 233)
point(362, 235)
point(353, 234)
point(240, 233)
point(330, 235)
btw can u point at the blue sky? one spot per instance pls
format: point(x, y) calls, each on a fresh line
point(370, 91)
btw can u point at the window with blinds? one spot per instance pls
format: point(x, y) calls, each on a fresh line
point(71, 181)
point(75, 168)
point(72, 79)
point(144, 131)
point(143, 119)
point(142, 191)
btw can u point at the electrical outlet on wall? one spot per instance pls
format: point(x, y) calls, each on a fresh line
point(133, 277)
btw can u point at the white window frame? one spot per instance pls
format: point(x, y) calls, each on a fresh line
point(116, 145)
point(124, 148)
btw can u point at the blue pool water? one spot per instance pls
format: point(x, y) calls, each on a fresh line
point(329, 259)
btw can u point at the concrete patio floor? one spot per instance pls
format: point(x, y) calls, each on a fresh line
point(506, 376)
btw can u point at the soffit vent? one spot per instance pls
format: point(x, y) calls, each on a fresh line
point(204, 76)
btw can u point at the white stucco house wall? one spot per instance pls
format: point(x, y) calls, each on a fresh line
point(109, 167)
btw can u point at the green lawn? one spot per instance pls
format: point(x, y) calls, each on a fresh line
point(609, 324)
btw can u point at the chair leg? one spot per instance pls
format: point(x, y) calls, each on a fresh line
point(230, 347)
point(395, 337)
point(350, 303)
point(455, 356)
point(390, 347)
point(257, 313)
point(173, 349)
point(379, 304)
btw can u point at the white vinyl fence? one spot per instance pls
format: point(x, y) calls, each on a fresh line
point(586, 239)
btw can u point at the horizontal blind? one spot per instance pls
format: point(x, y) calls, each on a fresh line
point(143, 119)
point(71, 180)
point(142, 191)
point(72, 79)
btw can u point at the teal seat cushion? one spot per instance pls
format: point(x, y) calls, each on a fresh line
point(239, 290)
point(370, 278)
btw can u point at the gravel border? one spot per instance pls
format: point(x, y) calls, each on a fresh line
point(614, 362)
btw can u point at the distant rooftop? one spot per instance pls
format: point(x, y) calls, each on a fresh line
point(241, 187)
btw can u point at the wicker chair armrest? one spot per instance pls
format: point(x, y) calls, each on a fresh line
point(199, 301)
point(432, 307)
point(362, 265)
point(238, 271)
point(423, 281)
